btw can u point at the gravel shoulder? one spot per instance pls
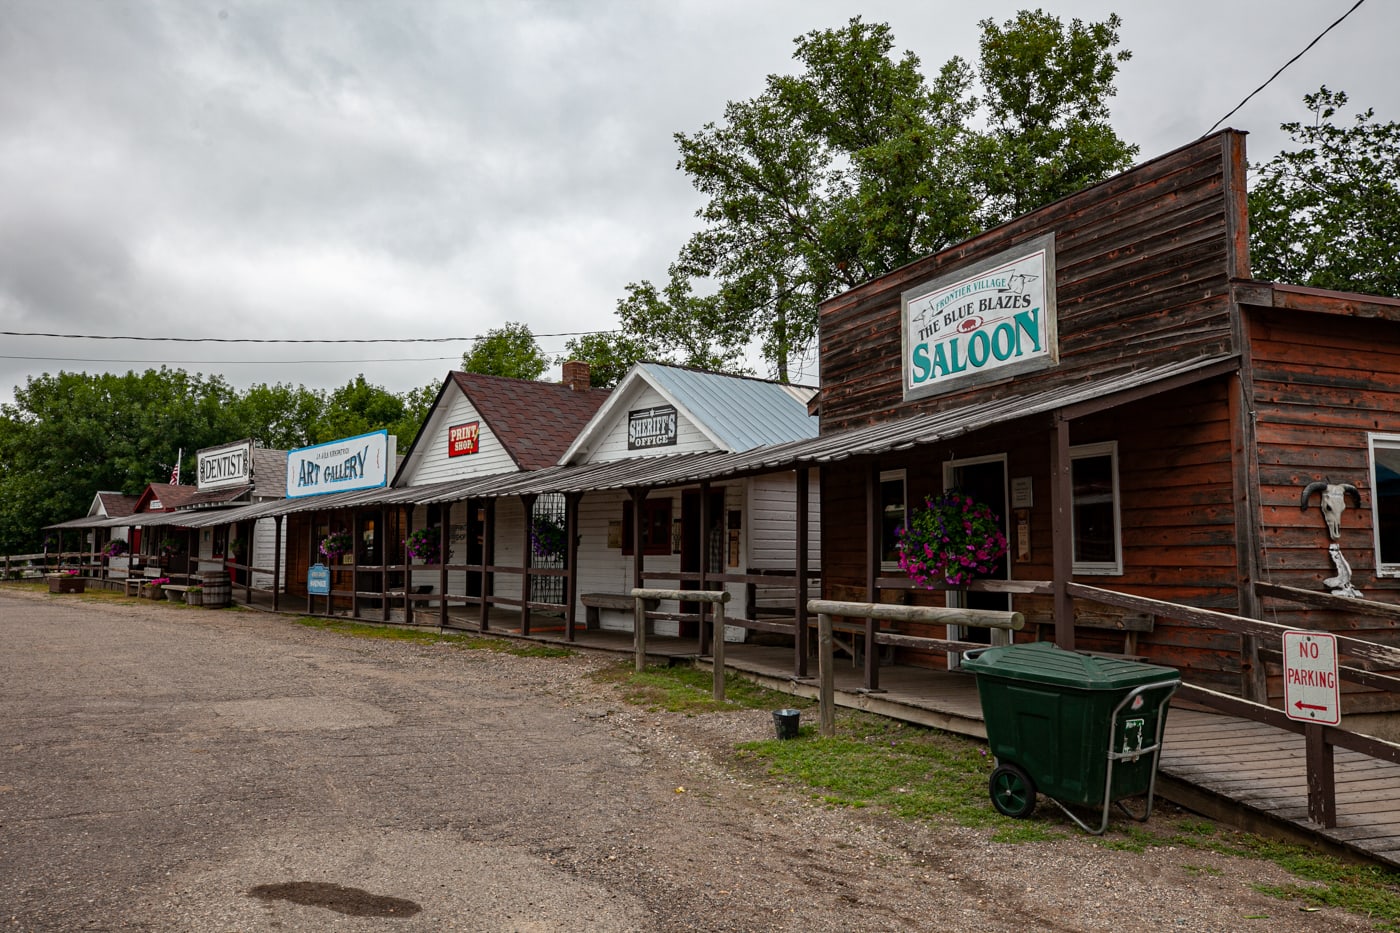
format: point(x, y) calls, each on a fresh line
point(174, 769)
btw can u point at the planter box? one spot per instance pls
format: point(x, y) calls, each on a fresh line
point(63, 583)
point(152, 592)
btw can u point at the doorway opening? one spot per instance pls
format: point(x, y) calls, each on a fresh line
point(984, 479)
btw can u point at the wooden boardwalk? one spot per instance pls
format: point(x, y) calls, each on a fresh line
point(1233, 770)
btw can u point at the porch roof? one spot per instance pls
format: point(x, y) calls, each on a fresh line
point(685, 469)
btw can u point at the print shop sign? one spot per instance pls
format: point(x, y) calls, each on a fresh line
point(360, 462)
point(989, 322)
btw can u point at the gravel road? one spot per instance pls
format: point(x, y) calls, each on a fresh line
point(171, 769)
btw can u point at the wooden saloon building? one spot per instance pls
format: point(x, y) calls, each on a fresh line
point(1148, 419)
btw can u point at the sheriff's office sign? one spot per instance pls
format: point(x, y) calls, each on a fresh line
point(464, 439)
point(223, 467)
point(360, 462)
point(985, 323)
point(652, 427)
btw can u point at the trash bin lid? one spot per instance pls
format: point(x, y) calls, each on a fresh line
point(1044, 663)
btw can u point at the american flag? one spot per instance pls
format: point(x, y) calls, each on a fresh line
point(175, 473)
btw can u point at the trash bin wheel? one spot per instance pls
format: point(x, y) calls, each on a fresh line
point(1012, 791)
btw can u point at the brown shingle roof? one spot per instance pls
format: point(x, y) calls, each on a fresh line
point(534, 421)
point(117, 505)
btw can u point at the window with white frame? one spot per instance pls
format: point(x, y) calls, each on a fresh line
point(1098, 540)
point(894, 515)
point(1385, 502)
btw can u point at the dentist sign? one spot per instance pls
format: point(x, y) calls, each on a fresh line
point(982, 324)
point(360, 462)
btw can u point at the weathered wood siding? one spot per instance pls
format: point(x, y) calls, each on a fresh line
point(1143, 265)
point(1322, 385)
point(1177, 517)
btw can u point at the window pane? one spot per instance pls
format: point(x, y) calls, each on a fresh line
point(1387, 495)
point(892, 518)
point(1094, 531)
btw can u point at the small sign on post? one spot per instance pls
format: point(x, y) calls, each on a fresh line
point(1311, 691)
point(318, 580)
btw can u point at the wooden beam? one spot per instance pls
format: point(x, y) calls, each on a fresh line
point(873, 525)
point(1062, 530)
point(571, 532)
point(276, 562)
point(527, 501)
point(802, 539)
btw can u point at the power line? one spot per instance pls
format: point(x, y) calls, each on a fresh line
point(80, 359)
point(18, 333)
point(1261, 87)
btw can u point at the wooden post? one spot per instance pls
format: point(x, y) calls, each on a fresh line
point(1062, 530)
point(571, 504)
point(873, 525)
point(488, 558)
point(381, 552)
point(407, 570)
point(705, 633)
point(639, 498)
point(311, 559)
point(1322, 786)
point(444, 539)
point(1245, 480)
point(639, 631)
point(799, 661)
point(526, 558)
point(826, 675)
point(717, 655)
point(276, 563)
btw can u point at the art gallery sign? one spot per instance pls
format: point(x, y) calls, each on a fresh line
point(226, 466)
point(360, 462)
point(983, 323)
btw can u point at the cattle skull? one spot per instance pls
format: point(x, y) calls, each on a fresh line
point(1333, 503)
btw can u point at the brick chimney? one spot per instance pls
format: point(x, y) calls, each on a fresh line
point(576, 375)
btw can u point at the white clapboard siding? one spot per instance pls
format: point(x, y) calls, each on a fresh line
point(456, 579)
point(772, 531)
point(265, 554)
point(431, 462)
point(689, 438)
point(510, 546)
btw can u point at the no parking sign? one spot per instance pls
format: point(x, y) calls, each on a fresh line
point(1311, 692)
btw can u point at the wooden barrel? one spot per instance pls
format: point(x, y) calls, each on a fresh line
point(217, 589)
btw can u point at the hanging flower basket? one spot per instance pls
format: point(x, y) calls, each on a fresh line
point(115, 548)
point(546, 538)
point(424, 545)
point(950, 542)
point(336, 545)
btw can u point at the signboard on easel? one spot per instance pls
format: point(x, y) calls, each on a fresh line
point(1311, 690)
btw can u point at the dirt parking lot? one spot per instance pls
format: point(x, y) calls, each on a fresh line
point(171, 769)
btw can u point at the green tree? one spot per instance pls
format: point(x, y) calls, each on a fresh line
point(357, 408)
point(1047, 88)
point(509, 350)
point(609, 355)
point(69, 435)
point(858, 164)
point(1327, 214)
point(281, 416)
point(417, 403)
point(683, 328)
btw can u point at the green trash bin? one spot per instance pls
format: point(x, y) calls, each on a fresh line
point(1082, 729)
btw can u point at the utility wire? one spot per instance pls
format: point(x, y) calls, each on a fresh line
point(167, 360)
point(1285, 65)
point(18, 333)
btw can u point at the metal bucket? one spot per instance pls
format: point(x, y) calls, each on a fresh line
point(786, 722)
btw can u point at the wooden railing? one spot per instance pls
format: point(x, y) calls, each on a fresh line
point(1319, 739)
point(718, 599)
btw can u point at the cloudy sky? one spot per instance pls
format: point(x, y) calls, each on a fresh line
point(435, 169)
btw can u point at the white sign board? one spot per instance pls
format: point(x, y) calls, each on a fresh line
point(1311, 691)
point(983, 323)
point(222, 467)
point(360, 462)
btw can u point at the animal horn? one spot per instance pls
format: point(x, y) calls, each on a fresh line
point(1311, 488)
point(1348, 488)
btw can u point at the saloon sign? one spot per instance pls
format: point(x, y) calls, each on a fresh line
point(991, 321)
point(360, 462)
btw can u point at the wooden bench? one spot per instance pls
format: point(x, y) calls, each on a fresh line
point(592, 602)
point(134, 581)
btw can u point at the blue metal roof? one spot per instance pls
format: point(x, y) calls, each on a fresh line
point(744, 413)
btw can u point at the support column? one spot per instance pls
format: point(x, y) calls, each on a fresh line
point(1062, 529)
point(639, 498)
point(407, 570)
point(706, 619)
point(803, 533)
point(873, 524)
point(277, 563)
point(488, 558)
point(444, 540)
point(528, 502)
point(311, 559)
point(571, 536)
